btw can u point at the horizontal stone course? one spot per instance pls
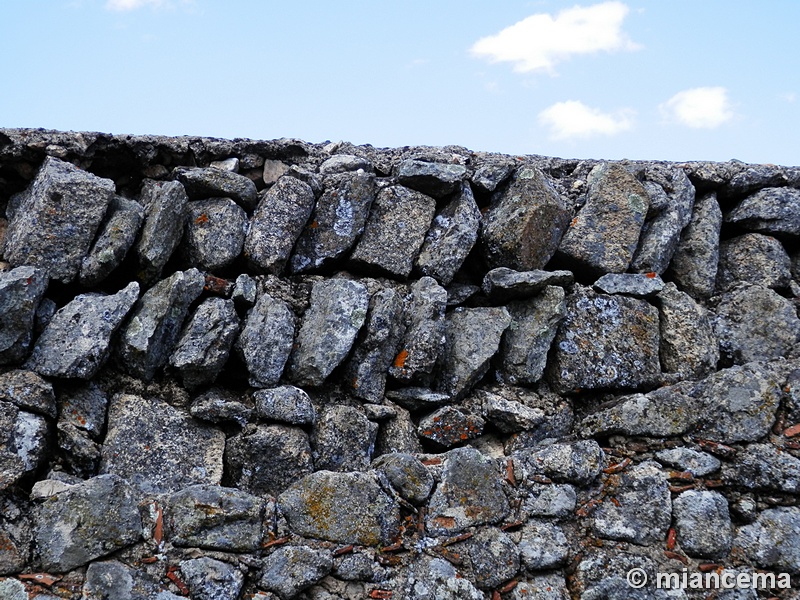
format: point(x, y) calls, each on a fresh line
point(277, 369)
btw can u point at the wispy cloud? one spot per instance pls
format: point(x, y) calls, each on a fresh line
point(128, 5)
point(699, 108)
point(790, 97)
point(574, 120)
point(539, 42)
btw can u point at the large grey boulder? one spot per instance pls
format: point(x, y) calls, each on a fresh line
point(165, 209)
point(321, 506)
point(116, 237)
point(56, 219)
point(158, 447)
point(770, 542)
point(343, 439)
point(266, 340)
point(211, 579)
point(527, 340)
point(694, 264)
point(86, 521)
point(214, 233)
point(379, 342)
point(113, 579)
point(76, 342)
point(21, 291)
point(671, 196)
point(214, 518)
point(525, 222)
point(432, 178)
point(217, 183)
point(291, 569)
point(268, 458)
point(754, 323)
point(754, 258)
point(564, 462)
point(329, 328)
point(643, 511)
point(703, 524)
point(424, 338)
point(470, 493)
point(396, 228)
point(205, 342)
point(337, 221)
point(771, 211)
point(150, 335)
point(605, 233)
point(472, 338)
point(277, 223)
point(688, 348)
point(451, 237)
point(606, 342)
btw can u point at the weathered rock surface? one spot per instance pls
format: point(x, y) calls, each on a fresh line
point(523, 227)
point(395, 230)
point(343, 439)
point(606, 342)
point(543, 546)
point(754, 323)
point(765, 467)
point(85, 522)
point(29, 392)
point(205, 343)
point(768, 541)
point(210, 579)
point(56, 219)
point(268, 458)
point(320, 505)
point(378, 344)
point(217, 183)
point(115, 238)
point(503, 284)
point(291, 569)
point(703, 524)
point(526, 341)
point(493, 558)
point(221, 406)
point(577, 462)
point(630, 284)
point(433, 578)
point(285, 403)
point(337, 221)
point(277, 223)
point(113, 579)
point(431, 178)
point(603, 237)
point(214, 235)
point(424, 338)
point(699, 464)
point(694, 264)
point(407, 475)
point(771, 211)
point(159, 448)
point(449, 426)
point(266, 340)
point(753, 258)
point(472, 337)
point(469, 494)
point(329, 328)
point(76, 342)
point(214, 517)
point(165, 210)
point(451, 237)
point(642, 513)
point(148, 338)
point(21, 290)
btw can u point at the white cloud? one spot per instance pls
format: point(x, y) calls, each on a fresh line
point(790, 97)
point(699, 108)
point(574, 120)
point(540, 41)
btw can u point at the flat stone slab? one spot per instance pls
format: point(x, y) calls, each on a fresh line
point(637, 285)
point(503, 284)
point(158, 447)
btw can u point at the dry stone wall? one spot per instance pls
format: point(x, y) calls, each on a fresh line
point(276, 370)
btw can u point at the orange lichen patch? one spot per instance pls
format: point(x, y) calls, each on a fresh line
point(445, 522)
point(381, 594)
point(651, 275)
point(203, 218)
point(573, 222)
point(400, 359)
point(313, 225)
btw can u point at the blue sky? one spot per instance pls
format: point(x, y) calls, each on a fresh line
point(639, 79)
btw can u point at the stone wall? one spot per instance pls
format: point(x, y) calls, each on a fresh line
point(274, 369)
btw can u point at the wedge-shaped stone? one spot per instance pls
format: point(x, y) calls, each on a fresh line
point(266, 340)
point(21, 290)
point(56, 219)
point(694, 264)
point(217, 183)
point(165, 212)
point(115, 238)
point(215, 233)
